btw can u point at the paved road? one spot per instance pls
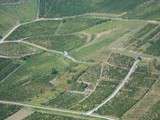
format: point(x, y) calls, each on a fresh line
point(120, 86)
point(63, 111)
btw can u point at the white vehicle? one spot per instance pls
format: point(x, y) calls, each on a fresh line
point(66, 54)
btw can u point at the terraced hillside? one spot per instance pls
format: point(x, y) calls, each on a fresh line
point(79, 60)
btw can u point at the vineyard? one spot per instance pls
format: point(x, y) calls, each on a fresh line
point(79, 60)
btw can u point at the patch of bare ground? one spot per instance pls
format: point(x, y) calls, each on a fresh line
point(102, 34)
point(88, 36)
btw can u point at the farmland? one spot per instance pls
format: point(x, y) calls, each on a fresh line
point(79, 60)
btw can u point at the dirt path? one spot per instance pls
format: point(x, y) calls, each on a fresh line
point(21, 114)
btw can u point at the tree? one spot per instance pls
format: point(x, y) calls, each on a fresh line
point(54, 71)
